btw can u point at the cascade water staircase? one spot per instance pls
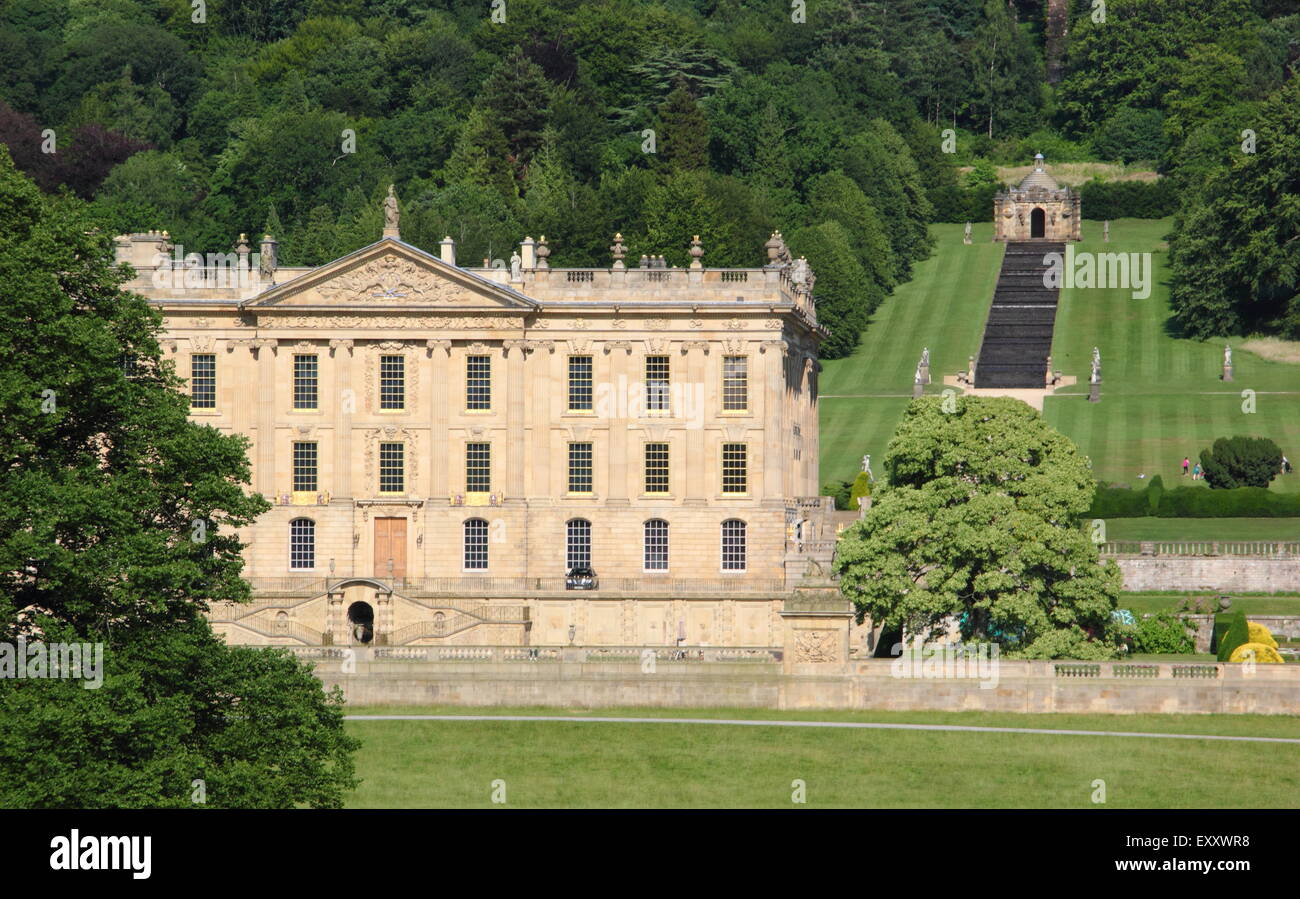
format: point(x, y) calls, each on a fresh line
point(1018, 335)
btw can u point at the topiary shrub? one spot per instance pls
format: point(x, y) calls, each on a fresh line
point(1256, 652)
point(861, 488)
point(1128, 199)
point(1241, 462)
point(1260, 634)
point(1237, 634)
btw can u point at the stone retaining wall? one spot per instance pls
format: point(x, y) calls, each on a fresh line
point(1229, 574)
point(1020, 686)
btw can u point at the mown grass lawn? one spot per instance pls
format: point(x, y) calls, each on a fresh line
point(1221, 529)
point(943, 307)
point(1162, 398)
point(453, 764)
point(1279, 604)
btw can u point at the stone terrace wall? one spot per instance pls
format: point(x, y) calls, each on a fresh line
point(1225, 573)
point(1021, 686)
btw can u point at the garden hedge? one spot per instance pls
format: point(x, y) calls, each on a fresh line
point(1193, 502)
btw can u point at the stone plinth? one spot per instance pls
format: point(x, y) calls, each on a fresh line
point(817, 620)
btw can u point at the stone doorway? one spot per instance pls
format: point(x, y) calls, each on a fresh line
point(361, 622)
point(1037, 223)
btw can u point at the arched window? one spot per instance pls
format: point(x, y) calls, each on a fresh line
point(476, 544)
point(302, 543)
point(578, 544)
point(656, 545)
point(733, 545)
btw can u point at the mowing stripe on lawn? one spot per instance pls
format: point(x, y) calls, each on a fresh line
point(863, 725)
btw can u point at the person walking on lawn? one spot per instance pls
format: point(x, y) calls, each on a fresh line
point(1186, 463)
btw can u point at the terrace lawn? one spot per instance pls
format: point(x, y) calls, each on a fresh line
point(452, 764)
point(1162, 397)
point(943, 307)
point(1221, 529)
point(1277, 604)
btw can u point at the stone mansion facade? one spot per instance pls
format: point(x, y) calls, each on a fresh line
point(445, 445)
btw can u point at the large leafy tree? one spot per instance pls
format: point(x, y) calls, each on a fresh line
point(978, 522)
point(180, 721)
point(879, 160)
point(1235, 248)
point(1127, 56)
point(844, 293)
point(119, 524)
point(106, 480)
point(836, 197)
point(1006, 71)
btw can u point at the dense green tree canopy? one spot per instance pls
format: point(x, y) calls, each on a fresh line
point(1235, 249)
point(106, 479)
point(979, 523)
point(119, 524)
point(301, 104)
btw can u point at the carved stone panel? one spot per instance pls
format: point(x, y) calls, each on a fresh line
point(815, 646)
point(387, 279)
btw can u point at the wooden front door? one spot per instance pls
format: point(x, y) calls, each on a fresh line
point(390, 543)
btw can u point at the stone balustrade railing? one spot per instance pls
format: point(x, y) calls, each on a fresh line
point(1245, 548)
point(1065, 669)
point(581, 654)
point(460, 586)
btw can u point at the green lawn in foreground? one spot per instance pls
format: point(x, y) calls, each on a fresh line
point(1222, 529)
point(1161, 396)
point(418, 764)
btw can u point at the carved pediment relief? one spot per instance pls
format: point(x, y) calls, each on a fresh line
point(391, 274)
point(388, 278)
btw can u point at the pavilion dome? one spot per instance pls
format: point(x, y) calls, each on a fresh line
point(1038, 179)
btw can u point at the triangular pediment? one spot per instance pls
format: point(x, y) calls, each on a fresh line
point(388, 275)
